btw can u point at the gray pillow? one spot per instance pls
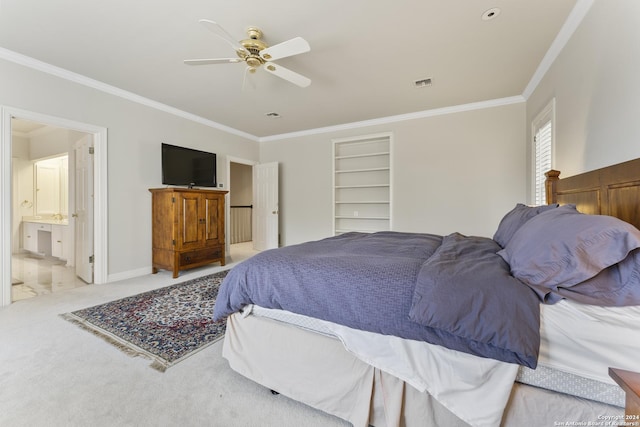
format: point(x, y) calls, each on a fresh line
point(615, 286)
point(514, 219)
point(562, 248)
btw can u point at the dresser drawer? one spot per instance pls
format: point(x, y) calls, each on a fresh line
point(200, 256)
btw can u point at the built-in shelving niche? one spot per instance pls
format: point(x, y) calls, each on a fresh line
point(362, 184)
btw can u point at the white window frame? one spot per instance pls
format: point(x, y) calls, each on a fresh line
point(547, 115)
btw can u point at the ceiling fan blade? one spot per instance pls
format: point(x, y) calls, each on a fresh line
point(289, 48)
point(287, 74)
point(211, 61)
point(222, 33)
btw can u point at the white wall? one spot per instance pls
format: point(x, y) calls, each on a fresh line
point(241, 186)
point(455, 172)
point(134, 132)
point(596, 86)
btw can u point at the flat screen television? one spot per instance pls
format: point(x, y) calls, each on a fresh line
point(186, 166)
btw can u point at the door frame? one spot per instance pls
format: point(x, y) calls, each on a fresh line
point(227, 203)
point(99, 192)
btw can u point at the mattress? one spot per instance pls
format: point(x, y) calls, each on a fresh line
point(586, 340)
point(578, 344)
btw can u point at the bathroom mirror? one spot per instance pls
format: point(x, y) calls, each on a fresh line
point(51, 186)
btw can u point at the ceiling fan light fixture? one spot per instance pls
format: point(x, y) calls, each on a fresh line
point(256, 53)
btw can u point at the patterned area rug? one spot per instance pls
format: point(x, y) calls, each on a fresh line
point(166, 325)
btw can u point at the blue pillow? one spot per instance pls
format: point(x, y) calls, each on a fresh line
point(562, 247)
point(514, 219)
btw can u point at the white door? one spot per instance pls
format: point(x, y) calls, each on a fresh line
point(265, 201)
point(83, 215)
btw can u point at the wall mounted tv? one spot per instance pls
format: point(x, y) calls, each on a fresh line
point(186, 166)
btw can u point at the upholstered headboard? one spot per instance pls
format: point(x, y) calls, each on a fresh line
point(612, 190)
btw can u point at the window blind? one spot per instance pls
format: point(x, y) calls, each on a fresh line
point(543, 140)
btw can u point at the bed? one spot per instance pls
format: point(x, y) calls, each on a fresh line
point(433, 363)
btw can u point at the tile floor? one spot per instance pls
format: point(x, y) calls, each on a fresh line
point(39, 276)
point(35, 275)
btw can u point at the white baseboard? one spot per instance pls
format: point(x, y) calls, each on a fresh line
point(128, 274)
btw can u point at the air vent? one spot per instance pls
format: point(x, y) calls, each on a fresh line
point(422, 83)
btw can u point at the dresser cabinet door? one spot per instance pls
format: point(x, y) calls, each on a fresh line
point(189, 221)
point(213, 218)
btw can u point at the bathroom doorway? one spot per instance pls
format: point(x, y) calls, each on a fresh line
point(47, 249)
point(13, 201)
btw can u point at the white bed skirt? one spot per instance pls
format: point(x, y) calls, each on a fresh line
point(317, 370)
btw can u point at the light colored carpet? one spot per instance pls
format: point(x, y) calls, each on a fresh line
point(52, 373)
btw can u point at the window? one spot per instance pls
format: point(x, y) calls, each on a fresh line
point(543, 141)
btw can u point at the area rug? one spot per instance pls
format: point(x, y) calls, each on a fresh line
point(165, 325)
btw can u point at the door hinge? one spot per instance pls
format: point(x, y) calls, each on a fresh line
point(173, 200)
point(173, 242)
point(91, 258)
point(91, 150)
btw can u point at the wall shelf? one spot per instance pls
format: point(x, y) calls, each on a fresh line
point(362, 202)
point(355, 156)
point(362, 184)
point(383, 218)
point(362, 170)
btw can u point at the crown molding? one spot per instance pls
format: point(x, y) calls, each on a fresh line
point(574, 19)
point(400, 118)
point(62, 73)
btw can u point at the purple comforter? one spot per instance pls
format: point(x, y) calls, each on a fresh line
point(452, 291)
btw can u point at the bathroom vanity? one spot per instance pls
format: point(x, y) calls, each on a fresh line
point(46, 236)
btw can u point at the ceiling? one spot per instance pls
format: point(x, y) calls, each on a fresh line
point(24, 126)
point(365, 54)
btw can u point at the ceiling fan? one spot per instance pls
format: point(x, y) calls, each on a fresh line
point(256, 53)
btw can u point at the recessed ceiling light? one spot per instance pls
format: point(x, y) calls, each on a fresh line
point(272, 115)
point(490, 14)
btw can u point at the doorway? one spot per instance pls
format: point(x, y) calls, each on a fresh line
point(240, 211)
point(45, 244)
point(241, 203)
point(8, 209)
point(253, 188)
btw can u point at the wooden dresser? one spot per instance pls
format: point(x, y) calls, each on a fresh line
point(188, 228)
